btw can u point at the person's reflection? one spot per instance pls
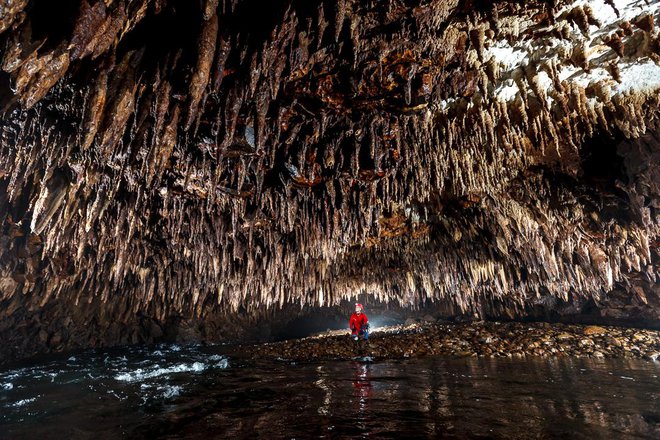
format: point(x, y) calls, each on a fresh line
point(362, 385)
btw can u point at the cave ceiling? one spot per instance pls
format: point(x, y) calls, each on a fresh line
point(178, 156)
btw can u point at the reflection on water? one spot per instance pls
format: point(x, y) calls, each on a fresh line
point(198, 393)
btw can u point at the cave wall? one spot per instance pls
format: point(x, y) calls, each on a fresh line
point(186, 160)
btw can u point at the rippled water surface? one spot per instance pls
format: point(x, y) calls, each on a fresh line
point(202, 392)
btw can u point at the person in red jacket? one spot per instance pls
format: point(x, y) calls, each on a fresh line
point(359, 323)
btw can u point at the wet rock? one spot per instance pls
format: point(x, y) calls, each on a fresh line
point(639, 337)
point(594, 330)
point(615, 342)
point(463, 353)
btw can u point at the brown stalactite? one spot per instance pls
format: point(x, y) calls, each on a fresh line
point(168, 158)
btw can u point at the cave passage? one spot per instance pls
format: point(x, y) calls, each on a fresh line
point(223, 170)
point(194, 195)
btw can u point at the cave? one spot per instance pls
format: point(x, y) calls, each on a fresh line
point(169, 165)
point(243, 171)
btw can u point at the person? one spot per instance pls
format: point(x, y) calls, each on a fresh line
point(359, 323)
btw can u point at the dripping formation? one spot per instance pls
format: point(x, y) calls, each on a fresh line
point(174, 159)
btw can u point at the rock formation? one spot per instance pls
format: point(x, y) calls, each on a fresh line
point(181, 159)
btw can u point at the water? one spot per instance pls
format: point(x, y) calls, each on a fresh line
point(210, 392)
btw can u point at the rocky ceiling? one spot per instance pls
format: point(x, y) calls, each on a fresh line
point(178, 158)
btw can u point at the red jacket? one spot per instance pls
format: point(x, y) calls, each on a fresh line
point(358, 322)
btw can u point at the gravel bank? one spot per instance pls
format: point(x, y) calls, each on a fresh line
point(489, 339)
